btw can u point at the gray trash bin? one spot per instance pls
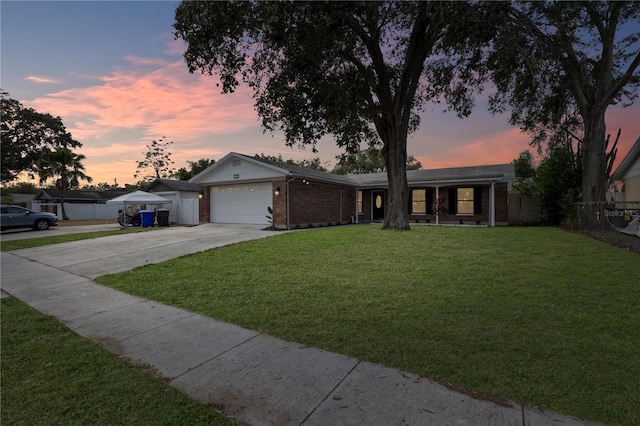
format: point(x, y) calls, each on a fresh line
point(162, 216)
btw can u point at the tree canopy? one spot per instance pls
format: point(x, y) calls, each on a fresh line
point(157, 161)
point(311, 163)
point(193, 168)
point(65, 167)
point(360, 71)
point(558, 66)
point(26, 136)
point(368, 161)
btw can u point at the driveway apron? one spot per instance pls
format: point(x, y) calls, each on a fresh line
point(251, 377)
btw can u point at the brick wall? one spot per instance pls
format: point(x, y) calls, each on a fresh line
point(316, 203)
point(280, 204)
point(203, 204)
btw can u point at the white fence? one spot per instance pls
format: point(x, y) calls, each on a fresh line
point(187, 211)
point(79, 211)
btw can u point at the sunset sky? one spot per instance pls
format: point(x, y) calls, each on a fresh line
point(114, 74)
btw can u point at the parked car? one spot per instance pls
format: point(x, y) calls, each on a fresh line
point(19, 217)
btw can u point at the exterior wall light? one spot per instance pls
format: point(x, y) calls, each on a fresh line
point(277, 191)
point(200, 195)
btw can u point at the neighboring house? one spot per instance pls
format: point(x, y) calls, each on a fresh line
point(241, 189)
point(628, 172)
point(79, 204)
point(184, 196)
point(22, 200)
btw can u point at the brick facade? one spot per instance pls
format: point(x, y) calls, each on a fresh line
point(312, 203)
point(204, 204)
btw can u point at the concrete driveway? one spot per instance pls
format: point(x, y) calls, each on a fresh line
point(95, 257)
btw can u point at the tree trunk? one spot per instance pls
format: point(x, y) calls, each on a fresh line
point(64, 213)
point(594, 160)
point(395, 148)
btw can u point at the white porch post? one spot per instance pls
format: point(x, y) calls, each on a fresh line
point(492, 204)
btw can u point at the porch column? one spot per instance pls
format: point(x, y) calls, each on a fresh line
point(437, 210)
point(492, 204)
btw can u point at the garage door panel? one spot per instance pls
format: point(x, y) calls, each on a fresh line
point(243, 203)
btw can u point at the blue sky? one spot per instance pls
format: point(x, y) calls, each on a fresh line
point(116, 76)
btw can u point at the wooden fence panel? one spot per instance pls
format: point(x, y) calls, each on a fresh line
point(523, 210)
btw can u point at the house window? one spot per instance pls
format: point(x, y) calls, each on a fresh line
point(418, 201)
point(360, 209)
point(465, 201)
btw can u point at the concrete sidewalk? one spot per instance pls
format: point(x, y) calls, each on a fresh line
point(253, 378)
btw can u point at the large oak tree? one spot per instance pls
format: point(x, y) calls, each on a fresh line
point(558, 66)
point(360, 71)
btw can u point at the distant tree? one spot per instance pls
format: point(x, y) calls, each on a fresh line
point(368, 161)
point(313, 163)
point(22, 188)
point(102, 186)
point(17, 188)
point(559, 65)
point(557, 183)
point(525, 171)
point(26, 135)
point(360, 71)
point(157, 162)
point(193, 168)
point(65, 167)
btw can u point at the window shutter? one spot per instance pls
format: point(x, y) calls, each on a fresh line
point(477, 200)
point(430, 200)
point(453, 198)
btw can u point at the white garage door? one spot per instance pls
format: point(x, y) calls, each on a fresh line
point(245, 203)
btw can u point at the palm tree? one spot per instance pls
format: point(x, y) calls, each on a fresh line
point(65, 165)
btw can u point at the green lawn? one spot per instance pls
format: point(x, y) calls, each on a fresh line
point(52, 376)
point(537, 315)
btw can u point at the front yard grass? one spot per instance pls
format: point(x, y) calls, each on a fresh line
point(52, 376)
point(537, 315)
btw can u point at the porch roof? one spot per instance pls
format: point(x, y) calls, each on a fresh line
point(442, 177)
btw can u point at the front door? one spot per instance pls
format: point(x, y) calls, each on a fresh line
point(378, 205)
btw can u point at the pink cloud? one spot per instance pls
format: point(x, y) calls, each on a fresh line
point(164, 101)
point(42, 80)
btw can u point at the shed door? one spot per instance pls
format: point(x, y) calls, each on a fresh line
point(241, 203)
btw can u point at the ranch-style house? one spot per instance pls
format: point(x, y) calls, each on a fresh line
point(243, 189)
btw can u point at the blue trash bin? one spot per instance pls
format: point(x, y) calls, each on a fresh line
point(146, 217)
